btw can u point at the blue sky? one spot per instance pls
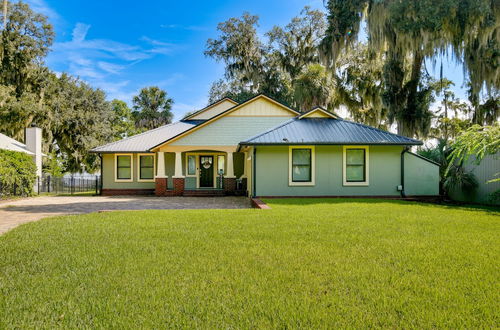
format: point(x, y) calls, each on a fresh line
point(122, 46)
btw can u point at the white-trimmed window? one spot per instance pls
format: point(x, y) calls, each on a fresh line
point(221, 164)
point(356, 166)
point(146, 167)
point(191, 161)
point(301, 166)
point(123, 168)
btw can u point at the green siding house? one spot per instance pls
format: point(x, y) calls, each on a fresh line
point(264, 148)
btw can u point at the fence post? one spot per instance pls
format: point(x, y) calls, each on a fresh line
point(38, 184)
point(96, 185)
point(48, 184)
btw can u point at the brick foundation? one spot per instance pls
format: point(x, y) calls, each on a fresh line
point(178, 186)
point(161, 186)
point(117, 192)
point(229, 186)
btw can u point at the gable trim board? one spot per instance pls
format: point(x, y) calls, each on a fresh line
point(223, 114)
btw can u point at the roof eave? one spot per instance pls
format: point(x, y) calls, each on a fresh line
point(329, 143)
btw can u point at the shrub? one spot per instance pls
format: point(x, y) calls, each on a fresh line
point(17, 173)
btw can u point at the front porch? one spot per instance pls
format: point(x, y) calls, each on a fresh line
point(201, 171)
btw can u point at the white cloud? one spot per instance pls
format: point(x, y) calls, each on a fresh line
point(40, 6)
point(80, 32)
point(100, 61)
point(184, 27)
point(110, 67)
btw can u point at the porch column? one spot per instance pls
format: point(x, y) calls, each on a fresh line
point(160, 178)
point(230, 179)
point(160, 171)
point(245, 166)
point(178, 165)
point(230, 166)
point(178, 178)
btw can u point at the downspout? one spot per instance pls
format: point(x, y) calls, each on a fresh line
point(405, 149)
point(102, 173)
point(254, 177)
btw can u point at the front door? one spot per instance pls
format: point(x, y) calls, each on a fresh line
point(206, 171)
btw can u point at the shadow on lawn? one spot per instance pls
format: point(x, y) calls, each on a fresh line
point(316, 201)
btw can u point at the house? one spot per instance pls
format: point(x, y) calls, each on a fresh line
point(32, 146)
point(262, 147)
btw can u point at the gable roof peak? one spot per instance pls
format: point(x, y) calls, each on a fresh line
point(318, 112)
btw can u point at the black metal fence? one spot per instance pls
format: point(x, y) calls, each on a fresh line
point(69, 185)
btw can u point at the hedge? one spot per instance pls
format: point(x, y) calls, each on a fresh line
point(17, 174)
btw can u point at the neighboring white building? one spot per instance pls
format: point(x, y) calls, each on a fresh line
point(32, 146)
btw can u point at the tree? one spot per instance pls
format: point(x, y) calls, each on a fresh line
point(221, 89)
point(123, 124)
point(314, 87)
point(77, 119)
point(477, 141)
point(240, 49)
point(152, 108)
point(406, 33)
point(296, 45)
point(25, 41)
point(359, 85)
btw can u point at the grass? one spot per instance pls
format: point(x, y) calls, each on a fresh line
point(304, 263)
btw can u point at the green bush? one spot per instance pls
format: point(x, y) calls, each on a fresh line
point(17, 173)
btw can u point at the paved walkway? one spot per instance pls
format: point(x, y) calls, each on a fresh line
point(16, 212)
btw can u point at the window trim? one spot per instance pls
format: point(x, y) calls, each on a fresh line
point(195, 165)
point(131, 168)
point(367, 166)
point(139, 167)
point(290, 167)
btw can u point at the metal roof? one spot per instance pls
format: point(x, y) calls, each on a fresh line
point(145, 141)
point(327, 131)
point(8, 143)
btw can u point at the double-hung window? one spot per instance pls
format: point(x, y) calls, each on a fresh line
point(123, 169)
point(301, 172)
point(146, 167)
point(356, 166)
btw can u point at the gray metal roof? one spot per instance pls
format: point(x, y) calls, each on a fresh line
point(327, 131)
point(145, 141)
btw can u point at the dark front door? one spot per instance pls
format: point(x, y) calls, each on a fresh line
point(206, 171)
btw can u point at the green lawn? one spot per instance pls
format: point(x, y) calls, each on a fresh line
point(322, 264)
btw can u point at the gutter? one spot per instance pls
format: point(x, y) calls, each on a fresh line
point(102, 179)
point(254, 177)
point(405, 150)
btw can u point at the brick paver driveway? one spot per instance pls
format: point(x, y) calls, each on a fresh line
point(14, 213)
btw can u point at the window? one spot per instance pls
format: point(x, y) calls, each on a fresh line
point(355, 165)
point(221, 160)
point(191, 165)
point(301, 166)
point(123, 167)
point(146, 167)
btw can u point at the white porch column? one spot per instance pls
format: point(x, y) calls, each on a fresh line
point(230, 166)
point(245, 166)
point(178, 165)
point(160, 170)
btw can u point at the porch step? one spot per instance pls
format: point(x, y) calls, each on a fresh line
point(204, 193)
